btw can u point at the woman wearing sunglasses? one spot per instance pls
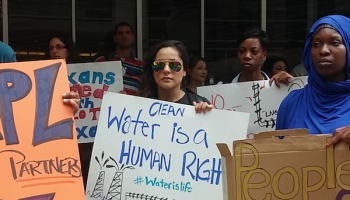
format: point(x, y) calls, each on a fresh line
point(61, 46)
point(164, 76)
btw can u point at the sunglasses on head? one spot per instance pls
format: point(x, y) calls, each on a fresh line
point(158, 66)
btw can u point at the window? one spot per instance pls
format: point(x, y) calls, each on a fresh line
point(172, 20)
point(287, 26)
point(224, 20)
point(32, 22)
point(95, 22)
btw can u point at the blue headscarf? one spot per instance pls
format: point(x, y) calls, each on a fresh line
point(321, 106)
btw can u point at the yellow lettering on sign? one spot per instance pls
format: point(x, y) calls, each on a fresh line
point(240, 168)
point(306, 188)
point(247, 185)
point(275, 185)
point(341, 172)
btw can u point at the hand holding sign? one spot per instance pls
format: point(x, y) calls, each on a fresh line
point(73, 98)
point(202, 107)
point(342, 133)
point(282, 77)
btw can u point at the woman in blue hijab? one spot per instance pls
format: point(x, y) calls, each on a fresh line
point(323, 106)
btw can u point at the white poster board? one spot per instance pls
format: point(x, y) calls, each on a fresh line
point(151, 149)
point(256, 97)
point(96, 78)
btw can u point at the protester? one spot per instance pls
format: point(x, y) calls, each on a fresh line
point(323, 105)
point(164, 72)
point(61, 46)
point(6, 53)
point(196, 73)
point(252, 52)
point(273, 65)
point(124, 38)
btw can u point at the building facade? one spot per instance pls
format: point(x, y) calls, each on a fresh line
point(207, 27)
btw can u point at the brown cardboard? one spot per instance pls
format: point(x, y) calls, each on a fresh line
point(298, 167)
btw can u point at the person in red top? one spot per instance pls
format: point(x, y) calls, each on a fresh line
point(124, 38)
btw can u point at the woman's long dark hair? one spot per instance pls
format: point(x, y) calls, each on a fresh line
point(73, 55)
point(148, 86)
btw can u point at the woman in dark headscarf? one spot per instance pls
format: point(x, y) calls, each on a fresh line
point(323, 106)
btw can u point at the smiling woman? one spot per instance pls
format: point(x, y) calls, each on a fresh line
point(323, 106)
point(164, 72)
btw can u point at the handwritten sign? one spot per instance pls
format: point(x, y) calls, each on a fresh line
point(151, 149)
point(96, 78)
point(38, 150)
point(257, 98)
point(296, 168)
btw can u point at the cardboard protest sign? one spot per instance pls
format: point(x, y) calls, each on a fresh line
point(151, 149)
point(96, 78)
point(38, 148)
point(295, 167)
point(256, 97)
